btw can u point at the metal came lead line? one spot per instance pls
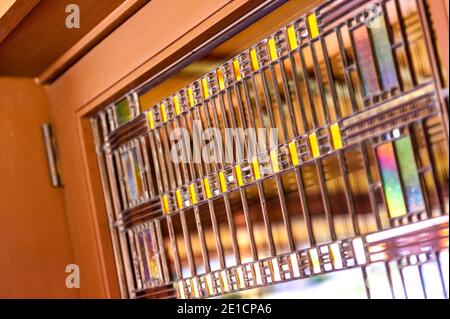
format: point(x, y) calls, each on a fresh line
point(160, 186)
point(422, 180)
point(184, 227)
point(441, 274)
point(298, 177)
point(173, 242)
point(226, 197)
point(158, 173)
point(299, 180)
point(149, 232)
point(311, 103)
point(324, 103)
point(391, 40)
point(377, 212)
point(422, 281)
point(281, 195)
point(244, 201)
point(198, 220)
point(112, 206)
point(260, 187)
point(166, 151)
point(152, 191)
point(430, 156)
point(318, 162)
point(158, 152)
point(162, 252)
point(347, 76)
point(340, 154)
point(336, 106)
point(134, 258)
point(432, 52)
point(403, 34)
point(156, 143)
point(216, 229)
point(122, 235)
point(140, 257)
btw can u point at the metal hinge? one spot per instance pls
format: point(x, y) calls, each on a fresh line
point(50, 150)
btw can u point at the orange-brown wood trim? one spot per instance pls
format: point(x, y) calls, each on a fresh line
point(96, 35)
point(14, 15)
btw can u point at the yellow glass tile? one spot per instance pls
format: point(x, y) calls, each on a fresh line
point(313, 27)
point(238, 172)
point(165, 204)
point(274, 160)
point(254, 59)
point(336, 256)
point(314, 256)
point(237, 70)
point(190, 94)
point(192, 194)
point(162, 107)
point(272, 49)
point(209, 284)
point(179, 198)
point(220, 79)
point(293, 153)
point(181, 290)
point(336, 136)
point(205, 88)
point(314, 144)
point(176, 104)
point(223, 183)
point(292, 38)
point(151, 122)
point(255, 166)
point(224, 281)
point(207, 188)
point(195, 287)
point(240, 278)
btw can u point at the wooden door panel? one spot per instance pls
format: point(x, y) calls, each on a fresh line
point(35, 245)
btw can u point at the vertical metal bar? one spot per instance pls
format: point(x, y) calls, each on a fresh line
point(110, 203)
point(198, 220)
point(346, 65)
point(162, 251)
point(259, 185)
point(188, 244)
point(281, 195)
point(137, 274)
point(215, 226)
point(226, 197)
point(248, 221)
point(430, 155)
point(441, 274)
point(422, 281)
point(401, 22)
point(150, 182)
point(173, 242)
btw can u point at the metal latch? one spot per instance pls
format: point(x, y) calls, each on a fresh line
point(50, 150)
